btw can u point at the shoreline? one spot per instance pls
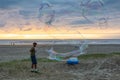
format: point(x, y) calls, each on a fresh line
point(57, 41)
point(57, 44)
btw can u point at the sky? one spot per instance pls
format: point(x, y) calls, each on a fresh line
point(59, 19)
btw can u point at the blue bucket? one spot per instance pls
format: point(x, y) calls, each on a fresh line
point(72, 61)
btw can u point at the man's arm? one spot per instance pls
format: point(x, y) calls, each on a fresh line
point(32, 49)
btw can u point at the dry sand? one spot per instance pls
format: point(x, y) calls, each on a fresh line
point(16, 52)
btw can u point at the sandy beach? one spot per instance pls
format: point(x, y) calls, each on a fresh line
point(106, 68)
point(18, 52)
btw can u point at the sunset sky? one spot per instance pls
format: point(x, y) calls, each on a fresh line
point(59, 19)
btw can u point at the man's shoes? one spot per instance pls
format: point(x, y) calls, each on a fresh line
point(36, 70)
point(32, 70)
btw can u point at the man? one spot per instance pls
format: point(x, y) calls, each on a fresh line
point(33, 58)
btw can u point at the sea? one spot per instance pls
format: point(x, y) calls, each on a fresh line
point(57, 41)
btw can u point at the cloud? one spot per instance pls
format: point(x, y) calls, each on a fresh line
point(27, 14)
point(23, 11)
point(2, 24)
point(10, 4)
point(28, 29)
point(81, 22)
point(5, 4)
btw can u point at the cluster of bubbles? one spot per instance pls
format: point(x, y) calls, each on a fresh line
point(94, 6)
point(87, 7)
point(46, 13)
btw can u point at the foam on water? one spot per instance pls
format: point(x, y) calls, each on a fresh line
point(29, 42)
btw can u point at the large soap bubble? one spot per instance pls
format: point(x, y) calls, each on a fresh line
point(46, 13)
